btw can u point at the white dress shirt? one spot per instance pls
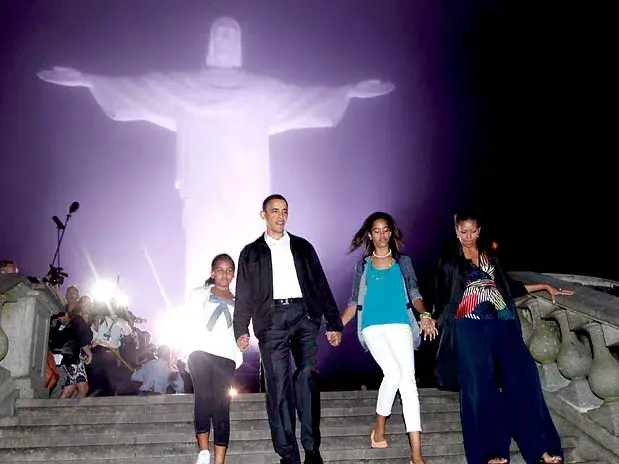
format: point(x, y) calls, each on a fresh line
point(285, 280)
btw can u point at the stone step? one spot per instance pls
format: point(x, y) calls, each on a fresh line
point(395, 436)
point(238, 428)
point(124, 424)
point(183, 403)
point(434, 454)
point(346, 407)
point(145, 414)
point(424, 393)
point(147, 420)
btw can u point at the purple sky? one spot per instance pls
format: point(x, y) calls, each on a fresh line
point(486, 107)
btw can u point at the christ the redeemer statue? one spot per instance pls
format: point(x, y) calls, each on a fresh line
point(223, 117)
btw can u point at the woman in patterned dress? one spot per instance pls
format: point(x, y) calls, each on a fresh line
point(481, 352)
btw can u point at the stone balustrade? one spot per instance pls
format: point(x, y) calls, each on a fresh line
point(575, 343)
point(25, 310)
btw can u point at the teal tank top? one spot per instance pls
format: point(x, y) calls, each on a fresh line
point(385, 298)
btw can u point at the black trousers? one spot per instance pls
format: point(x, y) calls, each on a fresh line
point(102, 372)
point(490, 351)
point(212, 378)
point(286, 393)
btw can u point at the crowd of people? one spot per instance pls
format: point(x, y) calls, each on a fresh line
point(97, 349)
point(281, 289)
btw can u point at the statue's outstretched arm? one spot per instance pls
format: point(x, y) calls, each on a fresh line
point(68, 77)
point(133, 98)
point(295, 107)
point(370, 89)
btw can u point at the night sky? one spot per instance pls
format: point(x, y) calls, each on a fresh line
point(492, 100)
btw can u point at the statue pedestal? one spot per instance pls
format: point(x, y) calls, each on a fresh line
point(25, 316)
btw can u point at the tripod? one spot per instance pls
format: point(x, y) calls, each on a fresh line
point(56, 275)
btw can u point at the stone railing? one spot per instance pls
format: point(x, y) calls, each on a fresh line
point(25, 310)
point(575, 341)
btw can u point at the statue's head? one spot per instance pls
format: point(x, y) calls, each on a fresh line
point(224, 48)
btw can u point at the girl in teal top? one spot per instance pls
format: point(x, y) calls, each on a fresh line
point(384, 294)
point(385, 300)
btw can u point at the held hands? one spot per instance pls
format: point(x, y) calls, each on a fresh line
point(335, 338)
point(427, 326)
point(370, 89)
point(243, 342)
point(68, 77)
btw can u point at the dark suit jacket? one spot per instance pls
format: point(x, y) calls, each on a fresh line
point(450, 283)
point(254, 287)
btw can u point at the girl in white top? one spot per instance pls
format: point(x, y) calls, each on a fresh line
point(214, 357)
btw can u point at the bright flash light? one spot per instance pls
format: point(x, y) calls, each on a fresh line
point(107, 292)
point(173, 330)
point(103, 290)
point(122, 300)
point(233, 392)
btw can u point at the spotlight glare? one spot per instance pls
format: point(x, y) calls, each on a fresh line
point(122, 300)
point(233, 392)
point(103, 290)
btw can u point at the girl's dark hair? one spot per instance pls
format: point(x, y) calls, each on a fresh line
point(216, 259)
point(361, 238)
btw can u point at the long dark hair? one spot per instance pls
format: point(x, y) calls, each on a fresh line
point(216, 259)
point(361, 238)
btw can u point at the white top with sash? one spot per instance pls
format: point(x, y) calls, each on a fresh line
point(208, 320)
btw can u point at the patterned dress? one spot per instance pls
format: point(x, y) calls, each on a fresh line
point(482, 299)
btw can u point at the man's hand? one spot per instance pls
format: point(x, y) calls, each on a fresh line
point(334, 338)
point(243, 342)
point(64, 76)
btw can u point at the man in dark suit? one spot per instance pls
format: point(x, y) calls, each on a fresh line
point(282, 287)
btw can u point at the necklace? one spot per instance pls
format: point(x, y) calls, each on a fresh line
point(378, 274)
point(383, 256)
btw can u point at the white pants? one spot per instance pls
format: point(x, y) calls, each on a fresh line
point(391, 346)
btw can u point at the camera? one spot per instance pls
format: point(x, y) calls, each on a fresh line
point(55, 276)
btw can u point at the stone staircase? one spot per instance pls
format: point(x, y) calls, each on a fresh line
point(159, 430)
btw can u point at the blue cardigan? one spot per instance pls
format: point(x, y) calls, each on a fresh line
point(359, 288)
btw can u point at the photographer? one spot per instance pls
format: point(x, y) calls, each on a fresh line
point(70, 337)
point(108, 331)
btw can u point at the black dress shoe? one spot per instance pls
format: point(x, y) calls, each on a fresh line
point(312, 457)
point(285, 461)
